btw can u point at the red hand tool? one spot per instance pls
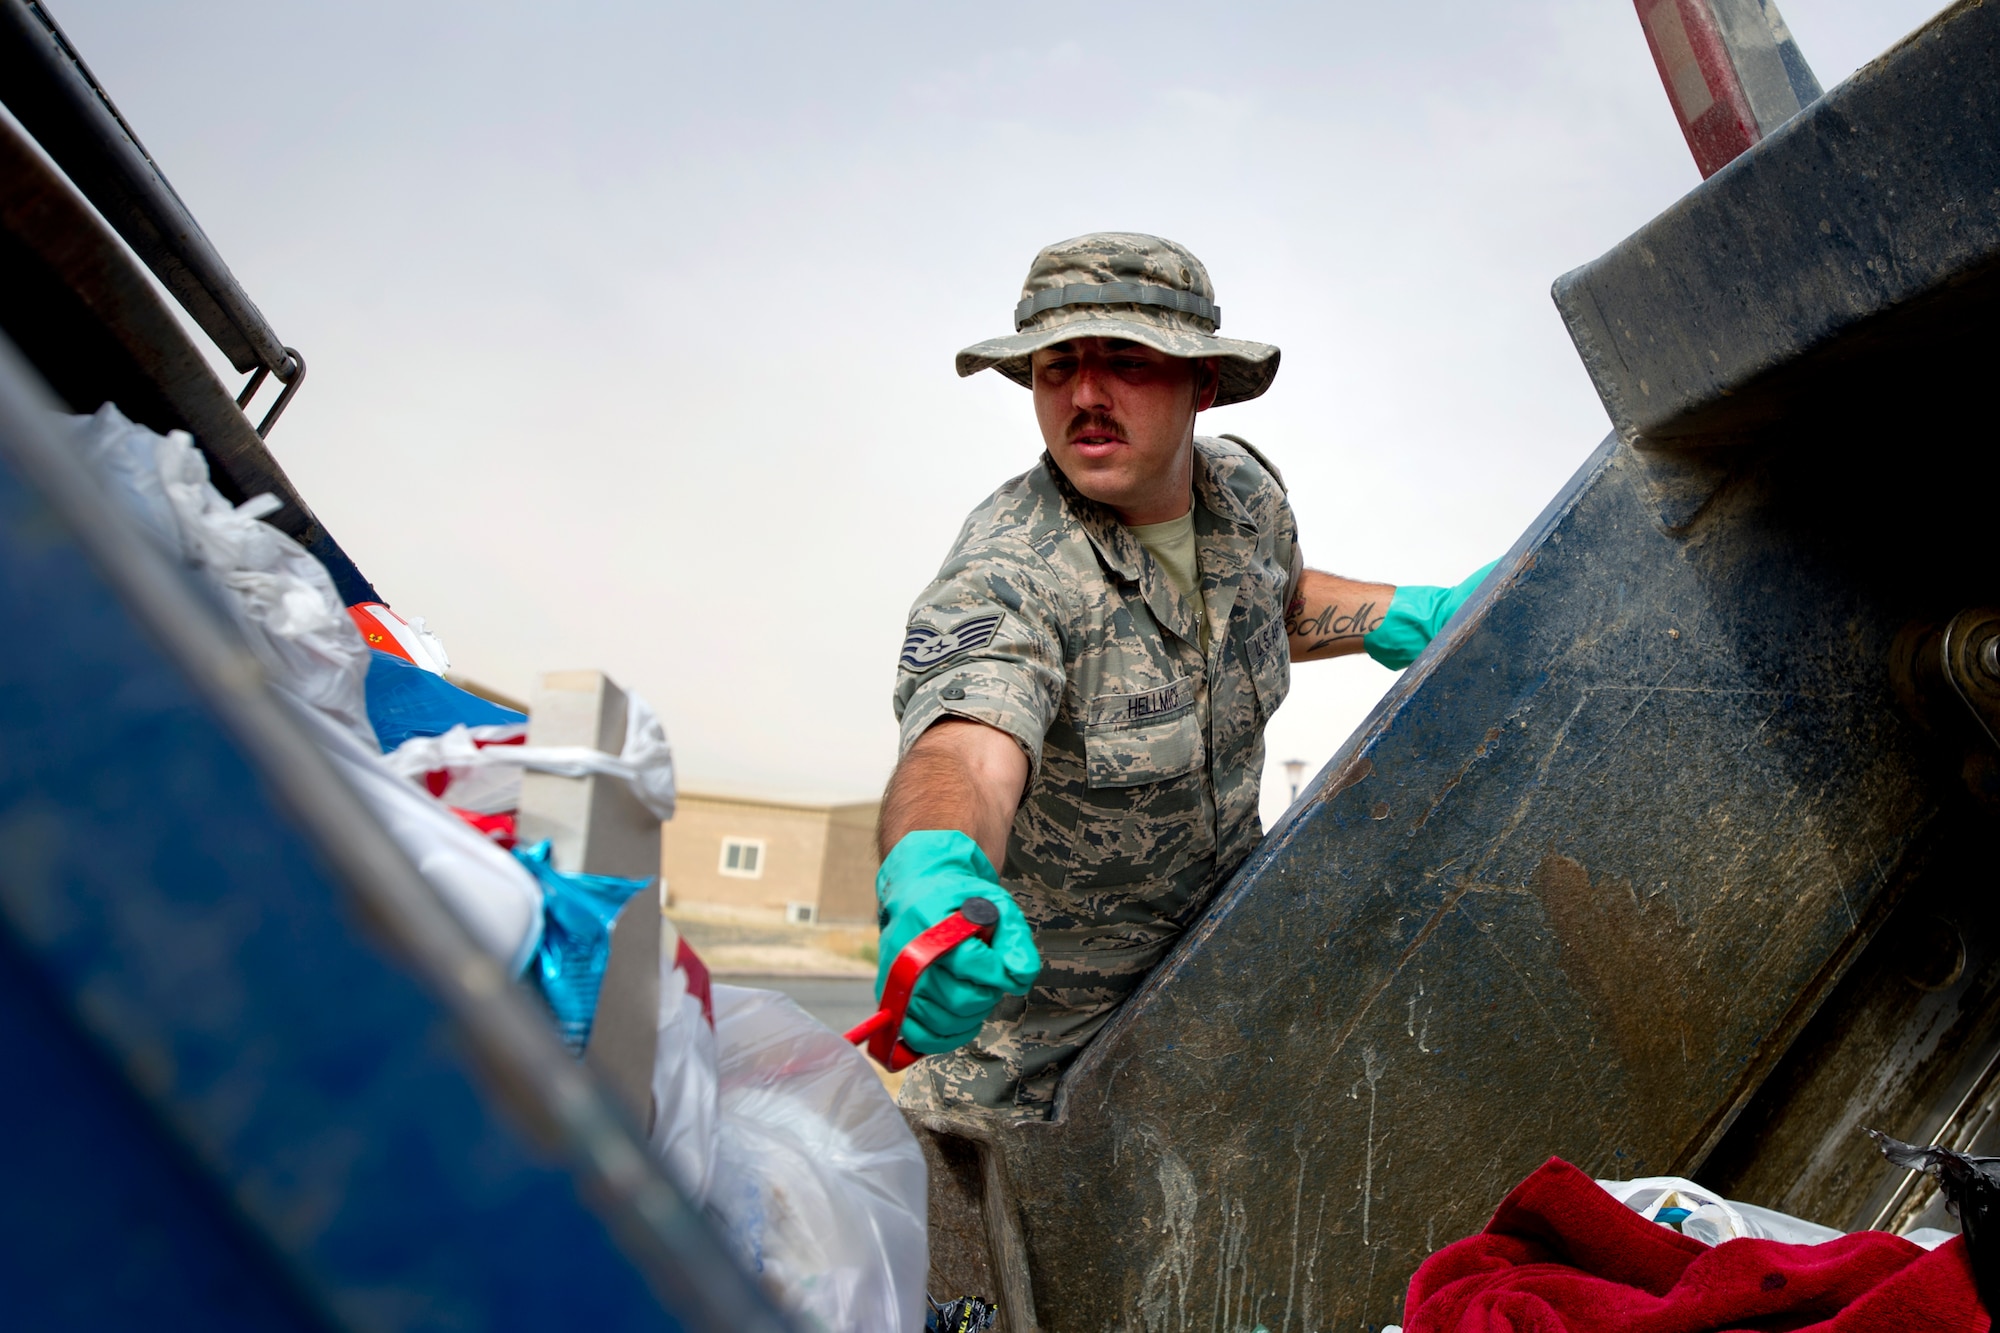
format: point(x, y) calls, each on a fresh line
point(883, 1029)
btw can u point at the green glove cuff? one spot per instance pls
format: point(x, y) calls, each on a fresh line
point(923, 880)
point(925, 853)
point(1416, 614)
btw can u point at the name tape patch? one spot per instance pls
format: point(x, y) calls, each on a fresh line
point(1126, 710)
point(924, 647)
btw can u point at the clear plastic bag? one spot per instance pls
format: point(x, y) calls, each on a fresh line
point(817, 1179)
point(684, 1087)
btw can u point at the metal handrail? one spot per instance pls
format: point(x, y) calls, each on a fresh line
point(50, 90)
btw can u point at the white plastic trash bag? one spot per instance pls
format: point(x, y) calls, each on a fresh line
point(281, 596)
point(817, 1179)
point(474, 780)
point(314, 658)
point(650, 757)
point(492, 894)
point(486, 777)
point(1708, 1217)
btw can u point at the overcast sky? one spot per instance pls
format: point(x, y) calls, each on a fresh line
point(631, 325)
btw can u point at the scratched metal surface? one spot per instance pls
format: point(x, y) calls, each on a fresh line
point(1608, 849)
point(1896, 1047)
point(1613, 845)
point(1557, 897)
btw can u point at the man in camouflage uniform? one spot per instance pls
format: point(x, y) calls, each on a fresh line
point(1084, 687)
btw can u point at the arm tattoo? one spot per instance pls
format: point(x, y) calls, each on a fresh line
point(1329, 626)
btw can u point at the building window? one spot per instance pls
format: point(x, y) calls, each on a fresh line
point(743, 857)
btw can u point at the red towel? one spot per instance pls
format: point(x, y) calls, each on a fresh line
point(1562, 1256)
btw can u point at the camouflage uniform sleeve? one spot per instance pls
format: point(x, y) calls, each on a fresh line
point(1286, 532)
point(985, 642)
point(1288, 551)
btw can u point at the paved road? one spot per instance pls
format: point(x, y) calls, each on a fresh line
point(838, 1002)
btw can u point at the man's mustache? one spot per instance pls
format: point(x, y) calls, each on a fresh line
point(1095, 423)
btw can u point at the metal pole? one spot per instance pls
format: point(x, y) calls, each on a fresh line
point(56, 98)
point(1732, 72)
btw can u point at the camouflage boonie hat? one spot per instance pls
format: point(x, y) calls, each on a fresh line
point(1121, 284)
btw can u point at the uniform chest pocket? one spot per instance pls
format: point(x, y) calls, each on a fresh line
point(1132, 739)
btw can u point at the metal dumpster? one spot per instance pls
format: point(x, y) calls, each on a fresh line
point(256, 1077)
point(1673, 855)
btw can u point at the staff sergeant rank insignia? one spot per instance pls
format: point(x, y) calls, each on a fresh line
point(924, 647)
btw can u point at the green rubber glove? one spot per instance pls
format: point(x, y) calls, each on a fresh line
point(1416, 614)
point(923, 880)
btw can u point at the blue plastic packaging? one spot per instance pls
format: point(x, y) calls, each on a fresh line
point(404, 700)
point(568, 966)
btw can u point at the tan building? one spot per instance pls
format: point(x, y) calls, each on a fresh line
point(806, 862)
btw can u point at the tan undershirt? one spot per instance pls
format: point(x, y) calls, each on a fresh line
point(1172, 545)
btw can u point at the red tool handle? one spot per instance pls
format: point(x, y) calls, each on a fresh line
point(883, 1029)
